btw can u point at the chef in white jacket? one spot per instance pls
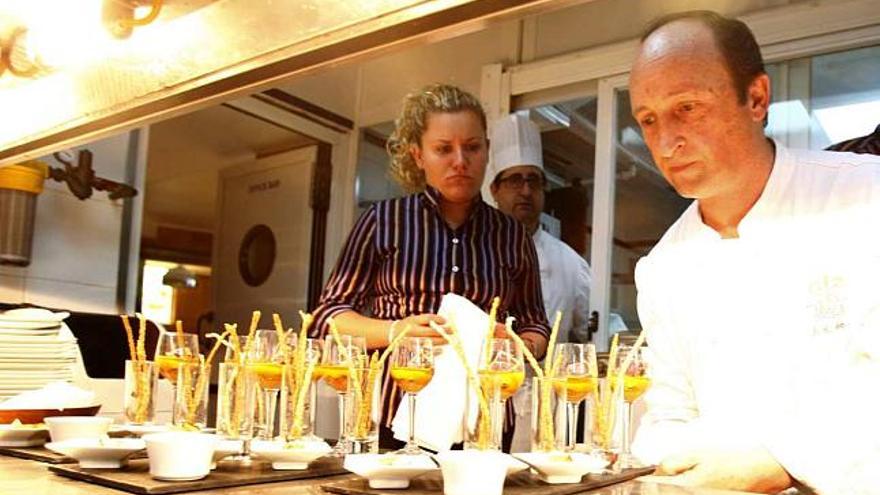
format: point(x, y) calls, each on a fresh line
point(517, 175)
point(516, 171)
point(760, 303)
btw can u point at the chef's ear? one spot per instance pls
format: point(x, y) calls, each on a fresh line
point(416, 152)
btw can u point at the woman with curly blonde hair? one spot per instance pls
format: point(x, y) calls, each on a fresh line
point(405, 254)
point(412, 122)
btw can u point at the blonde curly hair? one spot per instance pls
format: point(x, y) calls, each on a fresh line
point(412, 122)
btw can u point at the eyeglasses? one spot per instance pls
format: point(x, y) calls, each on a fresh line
point(516, 181)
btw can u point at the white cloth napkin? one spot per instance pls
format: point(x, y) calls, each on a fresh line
point(441, 404)
point(56, 395)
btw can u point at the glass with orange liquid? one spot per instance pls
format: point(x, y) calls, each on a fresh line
point(412, 368)
point(172, 351)
point(334, 370)
point(500, 378)
point(635, 382)
point(265, 363)
point(576, 380)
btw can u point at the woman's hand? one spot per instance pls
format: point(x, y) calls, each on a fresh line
point(419, 326)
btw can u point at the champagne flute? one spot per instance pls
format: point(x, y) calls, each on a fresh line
point(635, 382)
point(173, 350)
point(578, 378)
point(334, 370)
point(500, 378)
point(412, 368)
point(265, 361)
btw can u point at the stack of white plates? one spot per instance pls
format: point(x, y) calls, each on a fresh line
point(36, 348)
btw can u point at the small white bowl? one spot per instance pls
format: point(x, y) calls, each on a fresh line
point(63, 428)
point(288, 456)
point(180, 456)
point(108, 453)
point(562, 467)
point(226, 448)
point(473, 472)
point(14, 435)
point(384, 471)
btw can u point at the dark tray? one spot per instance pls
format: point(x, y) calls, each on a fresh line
point(136, 477)
point(40, 453)
point(519, 484)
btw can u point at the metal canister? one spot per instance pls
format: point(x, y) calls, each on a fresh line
point(20, 185)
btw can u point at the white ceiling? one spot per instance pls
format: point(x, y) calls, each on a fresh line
point(186, 153)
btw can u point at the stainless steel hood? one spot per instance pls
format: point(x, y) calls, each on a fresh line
point(219, 51)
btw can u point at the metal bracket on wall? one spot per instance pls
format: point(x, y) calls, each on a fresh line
point(81, 179)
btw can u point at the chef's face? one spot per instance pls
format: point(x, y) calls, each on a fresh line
point(519, 192)
point(685, 102)
point(453, 154)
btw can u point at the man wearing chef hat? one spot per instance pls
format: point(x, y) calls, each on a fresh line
point(517, 174)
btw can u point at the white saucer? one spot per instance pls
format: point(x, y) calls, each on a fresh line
point(561, 467)
point(389, 471)
point(283, 457)
point(94, 453)
point(23, 435)
point(178, 478)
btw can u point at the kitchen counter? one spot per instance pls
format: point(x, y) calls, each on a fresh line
point(23, 477)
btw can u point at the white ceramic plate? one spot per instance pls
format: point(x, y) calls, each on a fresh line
point(294, 456)
point(104, 453)
point(560, 467)
point(23, 435)
point(384, 471)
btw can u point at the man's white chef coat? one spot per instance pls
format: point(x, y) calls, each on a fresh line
point(773, 339)
point(565, 283)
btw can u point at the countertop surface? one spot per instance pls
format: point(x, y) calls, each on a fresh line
point(24, 477)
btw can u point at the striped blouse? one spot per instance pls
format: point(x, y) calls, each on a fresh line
point(402, 257)
point(869, 144)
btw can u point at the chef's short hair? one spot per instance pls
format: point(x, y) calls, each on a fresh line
point(734, 40)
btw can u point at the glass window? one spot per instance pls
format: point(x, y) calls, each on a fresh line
point(645, 205)
point(568, 146)
point(826, 99)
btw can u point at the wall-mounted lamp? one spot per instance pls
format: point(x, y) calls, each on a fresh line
point(180, 277)
point(47, 35)
point(119, 16)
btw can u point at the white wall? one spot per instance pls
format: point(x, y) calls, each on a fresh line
point(75, 257)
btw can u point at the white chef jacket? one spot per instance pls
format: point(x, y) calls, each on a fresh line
point(565, 284)
point(773, 339)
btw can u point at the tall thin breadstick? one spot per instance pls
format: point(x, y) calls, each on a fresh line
point(525, 350)
point(130, 335)
point(353, 374)
point(551, 345)
point(180, 341)
point(302, 338)
point(236, 354)
point(282, 337)
point(255, 321)
point(142, 336)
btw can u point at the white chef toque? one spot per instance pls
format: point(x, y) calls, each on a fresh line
point(515, 141)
